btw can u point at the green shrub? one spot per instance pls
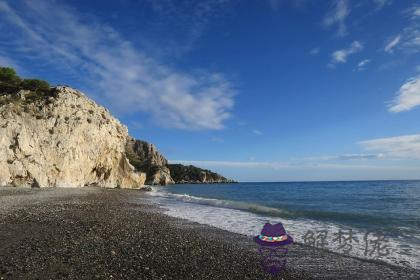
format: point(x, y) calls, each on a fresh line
point(8, 76)
point(11, 83)
point(35, 85)
point(9, 80)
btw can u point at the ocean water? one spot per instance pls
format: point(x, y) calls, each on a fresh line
point(382, 216)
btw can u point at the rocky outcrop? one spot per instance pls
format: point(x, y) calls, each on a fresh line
point(190, 174)
point(62, 140)
point(146, 158)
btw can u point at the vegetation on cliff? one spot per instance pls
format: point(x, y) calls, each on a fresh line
point(64, 130)
point(11, 84)
point(192, 174)
point(146, 158)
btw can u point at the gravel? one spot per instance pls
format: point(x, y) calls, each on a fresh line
point(96, 233)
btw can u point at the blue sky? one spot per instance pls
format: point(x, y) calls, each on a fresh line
point(273, 90)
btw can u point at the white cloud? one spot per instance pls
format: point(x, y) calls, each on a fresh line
point(340, 56)
point(416, 12)
point(257, 132)
point(315, 51)
point(409, 38)
point(381, 3)
point(411, 42)
point(123, 76)
point(392, 43)
point(346, 157)
point(362, 64)
point(405, 147)
point(408, 96)
point(338, 15)
point(413, 12)
point(281, 165)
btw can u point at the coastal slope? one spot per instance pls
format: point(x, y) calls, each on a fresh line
point(146, 158)
point(61, 138)
point(58, 137)
point(189, 174)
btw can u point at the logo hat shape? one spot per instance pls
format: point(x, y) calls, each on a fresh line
point(273, 236)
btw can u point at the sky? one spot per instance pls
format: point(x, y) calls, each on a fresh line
point(257, 90)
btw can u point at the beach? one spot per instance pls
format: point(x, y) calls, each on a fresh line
point(97, 233)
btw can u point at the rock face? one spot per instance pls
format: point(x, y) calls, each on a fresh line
point(146, 158)
point(63, 140)
point(193, 175)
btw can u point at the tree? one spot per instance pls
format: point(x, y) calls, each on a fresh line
point(9, 80)
point(35, 85)
point(8, 75)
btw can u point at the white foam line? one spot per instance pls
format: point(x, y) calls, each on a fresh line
point(250, 224)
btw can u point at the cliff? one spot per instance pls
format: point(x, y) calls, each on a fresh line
point(194, 175)
point(146, 158)
point(58, 138)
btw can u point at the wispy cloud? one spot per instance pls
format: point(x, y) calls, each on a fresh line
point(275, 5)
point(392, 43)
point(413, 12)
point(190, 20)
point(346, 157)
point(408, 96)
point(408, 40)
point(315, 51)
point(285, 165)
point(405, 147)
point(337, 16)
point(257, 132)
point(340, 56)
point(381, 3)
point(5, 61)
point(416, 12)
point(362, 64)
point(126, 77)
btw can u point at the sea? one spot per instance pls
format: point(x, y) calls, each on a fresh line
point(368, 219)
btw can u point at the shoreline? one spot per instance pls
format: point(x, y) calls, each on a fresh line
point(93, 233)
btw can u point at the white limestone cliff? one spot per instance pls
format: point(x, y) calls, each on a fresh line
point(65, 140)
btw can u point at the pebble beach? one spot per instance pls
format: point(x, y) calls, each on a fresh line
point(97, 233)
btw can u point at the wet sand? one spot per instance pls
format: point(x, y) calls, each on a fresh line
point(95, 233)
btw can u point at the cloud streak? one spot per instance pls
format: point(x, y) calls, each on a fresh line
point(340, 56)
point(337, 16)
point(285, 165)
point(392, 43)
point(381, 3)
point(127, 78)
point(362, 64)
point(402, 147)
point(408, 96)
point(257, 132)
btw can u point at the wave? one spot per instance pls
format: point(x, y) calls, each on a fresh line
point(230, 204)
point(352, 218)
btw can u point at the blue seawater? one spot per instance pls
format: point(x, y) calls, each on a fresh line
point(391, 208)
